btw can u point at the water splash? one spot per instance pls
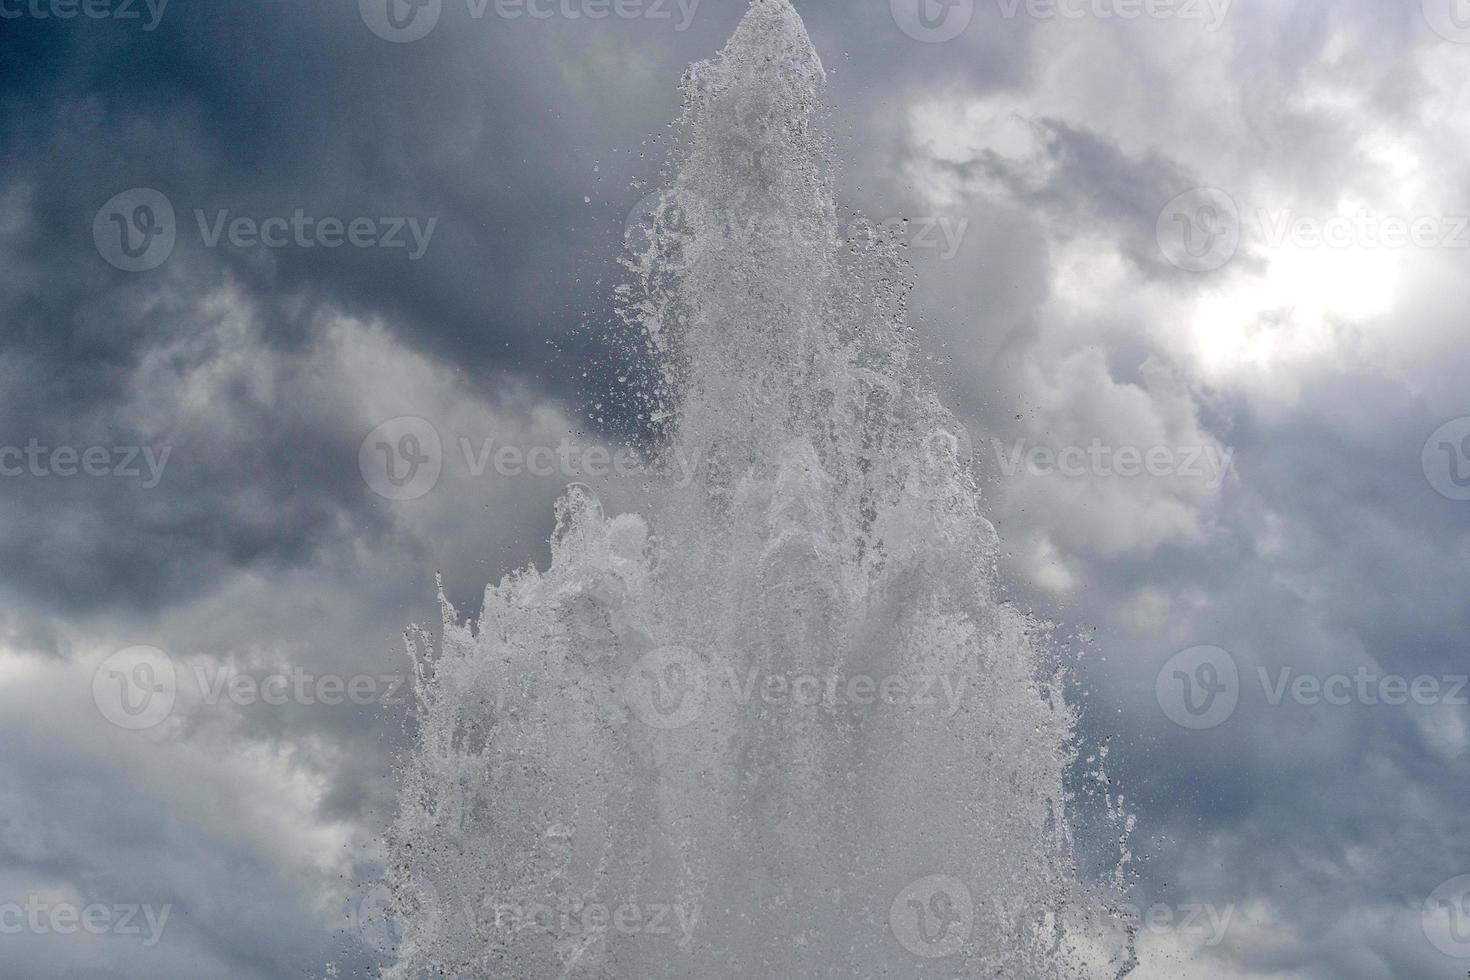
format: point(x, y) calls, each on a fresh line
point(781, 725)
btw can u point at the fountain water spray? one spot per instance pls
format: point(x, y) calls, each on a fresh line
point(779, 725)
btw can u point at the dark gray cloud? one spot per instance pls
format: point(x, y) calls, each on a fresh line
point(1058, 317)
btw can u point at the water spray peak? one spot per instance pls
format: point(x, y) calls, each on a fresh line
point(785, 701)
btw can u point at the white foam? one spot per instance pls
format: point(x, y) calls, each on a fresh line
point(677, 713)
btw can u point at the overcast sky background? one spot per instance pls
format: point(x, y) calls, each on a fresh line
point(1073, 303)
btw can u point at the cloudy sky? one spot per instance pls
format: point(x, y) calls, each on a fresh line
point(1193, 273)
